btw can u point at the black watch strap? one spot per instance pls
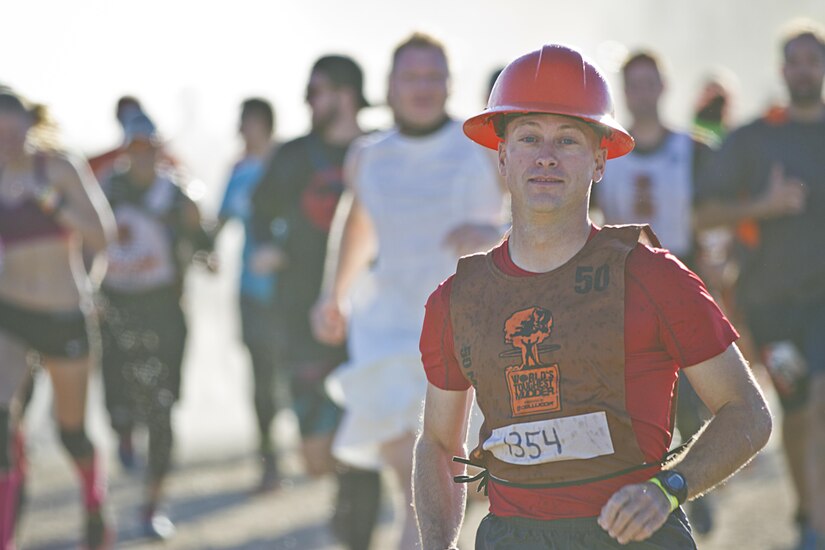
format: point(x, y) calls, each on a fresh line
point(674, 483)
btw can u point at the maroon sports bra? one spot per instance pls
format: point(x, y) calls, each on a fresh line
point(25, 220)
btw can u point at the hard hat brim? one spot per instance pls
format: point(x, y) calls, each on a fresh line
point(481, 128)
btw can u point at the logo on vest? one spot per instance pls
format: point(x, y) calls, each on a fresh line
point(534, 386)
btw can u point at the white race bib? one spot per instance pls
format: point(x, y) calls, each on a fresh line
point(566, 438)
point(142, 258)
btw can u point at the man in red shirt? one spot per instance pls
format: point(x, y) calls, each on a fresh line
point(572, 337)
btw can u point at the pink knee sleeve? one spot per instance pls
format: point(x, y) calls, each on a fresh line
point(93, 480)
point(9, 485)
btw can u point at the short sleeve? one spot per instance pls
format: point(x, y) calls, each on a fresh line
point(436, 345)
point(227, 209)
point(727, 172)
point(273, 192)
point(703, 156)
point(691, 326)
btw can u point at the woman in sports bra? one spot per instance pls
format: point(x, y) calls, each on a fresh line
point(51, 208)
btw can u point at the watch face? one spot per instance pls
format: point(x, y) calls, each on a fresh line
point(676, 481)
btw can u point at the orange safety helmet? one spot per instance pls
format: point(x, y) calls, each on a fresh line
point(555, 80)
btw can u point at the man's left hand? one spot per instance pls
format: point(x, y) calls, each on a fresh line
point(634, 512)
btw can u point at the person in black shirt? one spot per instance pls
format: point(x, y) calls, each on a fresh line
point(293, 208)
point(768, 181)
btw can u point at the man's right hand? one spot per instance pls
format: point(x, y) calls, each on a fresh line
point(267, 259)
point(329, 321)
point(784, 196)
point(634, 512)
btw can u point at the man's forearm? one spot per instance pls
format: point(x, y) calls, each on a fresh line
point(728, 442)
point(439, 501)
point(351, 248)
point(715, 213)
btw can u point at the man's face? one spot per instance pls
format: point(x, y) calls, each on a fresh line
point(143, 156)
point(125, 111)
point(418, 87)
point(254, 129)
point(804, 70)
point(642, 89)
point(324, 99)
point(549, 162)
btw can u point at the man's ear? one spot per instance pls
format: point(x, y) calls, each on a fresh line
point(601, 162)
point(502, 159)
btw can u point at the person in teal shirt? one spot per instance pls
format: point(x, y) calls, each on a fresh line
point(260, 320)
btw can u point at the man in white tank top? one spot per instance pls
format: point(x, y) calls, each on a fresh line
point(654, 184)
point(421, 196)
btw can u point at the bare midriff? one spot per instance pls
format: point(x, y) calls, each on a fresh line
point(45, 274)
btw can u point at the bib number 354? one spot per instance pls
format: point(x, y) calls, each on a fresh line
point(566, 438)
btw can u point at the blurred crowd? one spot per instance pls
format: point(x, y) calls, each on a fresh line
point(337, 266)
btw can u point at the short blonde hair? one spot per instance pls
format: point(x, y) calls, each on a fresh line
point(418, 40)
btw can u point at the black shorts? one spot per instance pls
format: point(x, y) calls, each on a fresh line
point(55, 334)
point(803, 325)
point(317, 413)
point(506, 533)
point(144, 337)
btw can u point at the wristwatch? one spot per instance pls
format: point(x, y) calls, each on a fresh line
point(673, 483)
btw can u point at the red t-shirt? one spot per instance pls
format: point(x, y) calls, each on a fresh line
point(671, 321)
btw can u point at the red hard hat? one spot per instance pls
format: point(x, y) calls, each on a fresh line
point(555, 80)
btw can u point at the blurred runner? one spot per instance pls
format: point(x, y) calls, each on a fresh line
point(712, 115)
point(421, 196)
point(105, 163)
point(142, 323)
point(711, 124)
point(293, 208)
point(50, 207)
point(260, 320)
point(770, 179)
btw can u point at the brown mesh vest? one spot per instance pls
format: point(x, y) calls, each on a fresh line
point(546, 357)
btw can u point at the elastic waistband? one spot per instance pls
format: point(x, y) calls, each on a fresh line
point(651, 470)
point(565, 524)
point(559, 525)
point(485, 477)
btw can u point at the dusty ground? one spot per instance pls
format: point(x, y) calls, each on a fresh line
point(210, 501)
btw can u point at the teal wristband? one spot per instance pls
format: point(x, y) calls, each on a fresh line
point(674, 502)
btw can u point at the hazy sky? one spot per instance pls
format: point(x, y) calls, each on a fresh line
point(192, 62)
